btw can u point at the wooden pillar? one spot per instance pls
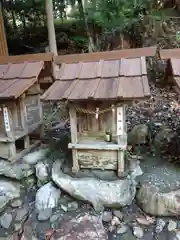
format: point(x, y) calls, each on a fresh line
point(23, 114)
point(3, 41)
point(73, 123)
point(120, 136)
point(15, 114)
point(41, 116)
point(9, 132)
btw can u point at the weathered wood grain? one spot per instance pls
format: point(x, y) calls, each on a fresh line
point(97, 159)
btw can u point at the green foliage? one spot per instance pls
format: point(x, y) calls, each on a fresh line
point(118, 14)
point(25, 20)
point(80, 40)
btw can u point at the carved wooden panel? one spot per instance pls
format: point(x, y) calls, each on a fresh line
point(97, 159)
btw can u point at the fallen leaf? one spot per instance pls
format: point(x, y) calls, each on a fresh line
point(115, 221)
point(49, 234)
point(145, 220)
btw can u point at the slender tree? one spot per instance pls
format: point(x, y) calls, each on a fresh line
point(51, 32)
point(3, 40)
point(50, 26)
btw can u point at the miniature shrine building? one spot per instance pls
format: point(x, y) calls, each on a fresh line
point(96, 88)
point(46, 75)
point(172, 72)
point(20, 107)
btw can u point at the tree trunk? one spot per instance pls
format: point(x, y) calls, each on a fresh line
point(13, 15)
point(50, 26)
point(84, 19)
point(51, 33)
point(3, 40)
point(23, 20)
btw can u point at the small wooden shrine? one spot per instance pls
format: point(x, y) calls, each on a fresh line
point(97, 87)
point(46, 75)
point(172, 70)
point(20, 107)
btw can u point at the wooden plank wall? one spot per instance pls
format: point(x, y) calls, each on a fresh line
point(3, 41)
point(88, 122)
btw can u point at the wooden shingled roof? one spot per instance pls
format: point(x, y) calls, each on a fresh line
point(124, 78)
point(108, 55)
point(166, 54)
point(45, 57)
point(15, 79)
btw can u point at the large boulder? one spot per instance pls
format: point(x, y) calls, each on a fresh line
point(42, 173)
point(138, 135)
point(34, 157)
point(159, 192)
point(8, 192)
point(17, 170)
point(154, 202)
point(98, 192)
point(162, 139)
point(47, 197)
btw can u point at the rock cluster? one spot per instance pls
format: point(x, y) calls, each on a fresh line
point(31, 199)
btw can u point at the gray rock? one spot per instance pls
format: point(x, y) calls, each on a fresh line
point(177, 236)
point(45, 214)
point(127, 236)
point(105, 174)
point(72, 206)
point(17, 203)
point(28, 232)
point(34, 157)
point(138, 134)
point(17, 170)
point(138, 232)
point(178, 224)
point(160, 225)
point(30, 182)
point(41, 173)
point(172, 225)
point(13, 236)
point(118, 214)
point(6, 220)
point(8, 192)
point(154, 202)
point(64, 208)
point(107, 216)
point(17, 226)
point(55, 217)
point(47, 197)
point(158, 124)
point(100, 193)
point(122, 229)
point(163, 137)
point(22, 213)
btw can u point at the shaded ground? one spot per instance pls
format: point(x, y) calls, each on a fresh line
point(164, 175)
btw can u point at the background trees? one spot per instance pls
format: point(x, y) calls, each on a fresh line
point(88, 25)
